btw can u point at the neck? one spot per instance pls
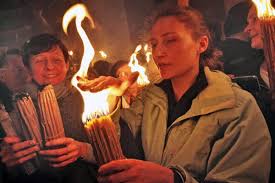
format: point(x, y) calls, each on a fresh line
point(182, 83)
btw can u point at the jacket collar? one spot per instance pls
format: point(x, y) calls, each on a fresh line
point(218, 95)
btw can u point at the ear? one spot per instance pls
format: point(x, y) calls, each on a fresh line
point(203, 44)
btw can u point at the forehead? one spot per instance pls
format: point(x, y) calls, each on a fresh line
point(54, 51)
point(167, 24)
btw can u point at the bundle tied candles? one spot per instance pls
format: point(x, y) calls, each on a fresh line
point(104, 139)
point(7, 125)
point(50, 114)
point(26, 128)
point(101, 131)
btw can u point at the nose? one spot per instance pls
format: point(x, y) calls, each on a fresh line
point(158, 51)
point(49, 65)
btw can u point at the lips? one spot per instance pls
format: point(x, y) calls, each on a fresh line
point(51, 76)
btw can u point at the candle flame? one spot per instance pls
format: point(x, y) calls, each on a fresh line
point(135, 67)
point(95, 104)
point(71, 53)
point(264, 8)
point(148, 53)
point(103, 54)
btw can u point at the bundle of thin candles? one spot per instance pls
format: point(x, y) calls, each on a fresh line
point(29, 116)
point(104, 139)
point(29, 167)
point(50, 114)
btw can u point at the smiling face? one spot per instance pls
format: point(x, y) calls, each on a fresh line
point(173, 47)
point(253, 28)
point(49, 67)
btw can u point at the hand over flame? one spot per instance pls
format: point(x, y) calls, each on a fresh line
point(115, 85)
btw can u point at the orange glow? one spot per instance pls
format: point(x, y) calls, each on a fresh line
point(71, 53)
point(95, 104)
point(103, 54)
point(264, 8)
point(148, 53)
point(135, 67)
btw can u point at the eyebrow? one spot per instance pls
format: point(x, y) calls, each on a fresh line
point(163, 35)
point(168, 33)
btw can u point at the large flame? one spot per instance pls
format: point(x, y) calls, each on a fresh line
point(135, 67)
point(264, 8)
point(95, 104)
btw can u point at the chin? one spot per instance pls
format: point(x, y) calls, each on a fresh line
point(165, 75)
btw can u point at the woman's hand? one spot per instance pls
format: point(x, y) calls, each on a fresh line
point(15, 152)
point(131, 170)
point(116, 86)
point(63, 151)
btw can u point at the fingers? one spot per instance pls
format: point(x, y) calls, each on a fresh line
point(23, 145)
point(73, 154)
point(11, 140)
point(59, 142)
point(15, 152)
point(59, 151)
point(116, 166)
point(19, 161)
point(99, 84)
point(123, 176)
point(64, 163)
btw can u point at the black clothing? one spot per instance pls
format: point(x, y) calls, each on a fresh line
point(178, 108)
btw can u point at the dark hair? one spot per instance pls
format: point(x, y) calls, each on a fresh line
point(102, 68)
point(235, 21)
point(118, 65)
point(194, 21)
point(42, 43)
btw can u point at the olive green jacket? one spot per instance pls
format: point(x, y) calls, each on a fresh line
point(223, 137)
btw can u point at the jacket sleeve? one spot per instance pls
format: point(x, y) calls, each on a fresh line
point(243, 152)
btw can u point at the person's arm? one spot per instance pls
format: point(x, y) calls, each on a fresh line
point(243, 153)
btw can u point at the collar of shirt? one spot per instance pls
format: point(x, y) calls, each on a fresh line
point(176, 109)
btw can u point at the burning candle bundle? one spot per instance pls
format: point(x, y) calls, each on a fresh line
point(104, 139)
point(50, 114)
point(101, 131)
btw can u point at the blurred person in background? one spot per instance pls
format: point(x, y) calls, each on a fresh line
point(239, 58)
point(253, 28)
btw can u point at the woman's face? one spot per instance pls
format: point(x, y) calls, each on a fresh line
point(253, 28)
point(49, 67)
point(174, 50)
